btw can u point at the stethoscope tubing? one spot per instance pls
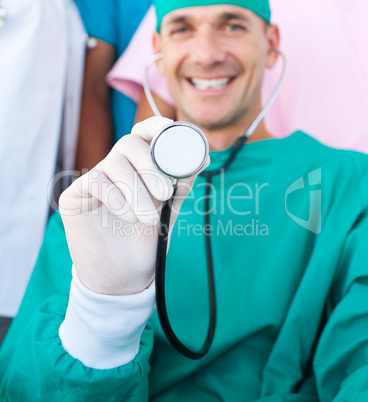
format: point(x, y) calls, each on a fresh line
point(161, 266)
point(164, 229)
point(160, 289)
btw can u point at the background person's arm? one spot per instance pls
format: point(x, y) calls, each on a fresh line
point(127, 74)
point(96, 127)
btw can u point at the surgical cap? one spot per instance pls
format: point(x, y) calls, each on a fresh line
point(163, 7)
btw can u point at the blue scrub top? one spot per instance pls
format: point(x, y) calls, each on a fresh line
point(115, 21)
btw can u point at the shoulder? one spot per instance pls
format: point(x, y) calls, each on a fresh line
point(113, 21)
point(310, 146)
point(340, 168)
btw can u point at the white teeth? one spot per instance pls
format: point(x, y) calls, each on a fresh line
point(203, 84)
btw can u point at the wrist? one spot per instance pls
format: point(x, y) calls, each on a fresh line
point(103, 331)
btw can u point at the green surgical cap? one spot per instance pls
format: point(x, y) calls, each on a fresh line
point(163, 7)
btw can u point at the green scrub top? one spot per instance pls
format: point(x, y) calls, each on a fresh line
point(289, 225)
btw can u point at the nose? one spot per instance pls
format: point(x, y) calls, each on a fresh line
point(207, 50)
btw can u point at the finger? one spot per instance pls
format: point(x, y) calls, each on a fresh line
point(184, 187)
point(148, 128)
point(137, 152)
point(122, 174)
point(103, 189)
point(92, 190)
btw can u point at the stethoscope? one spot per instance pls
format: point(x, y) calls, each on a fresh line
point(180, 150)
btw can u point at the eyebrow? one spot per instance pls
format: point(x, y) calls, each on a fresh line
point(179, 19)
point(233, 16)
point(222, 18)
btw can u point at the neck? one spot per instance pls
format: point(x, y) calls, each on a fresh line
point(223, 137)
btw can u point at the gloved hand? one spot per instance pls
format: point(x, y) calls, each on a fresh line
point(111, 214)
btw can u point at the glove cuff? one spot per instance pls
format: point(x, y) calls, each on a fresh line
point(103, 331)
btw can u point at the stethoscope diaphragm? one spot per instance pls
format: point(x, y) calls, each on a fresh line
point(179, 150)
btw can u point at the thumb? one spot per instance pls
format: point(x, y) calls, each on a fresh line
point(184, 187)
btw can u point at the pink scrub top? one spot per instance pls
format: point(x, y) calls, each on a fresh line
point(325, 92)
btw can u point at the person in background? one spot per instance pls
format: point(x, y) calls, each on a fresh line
point(106, 115)
point(51, 50)
point(42, 46)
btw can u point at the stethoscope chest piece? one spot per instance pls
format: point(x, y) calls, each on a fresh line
point(179, 150)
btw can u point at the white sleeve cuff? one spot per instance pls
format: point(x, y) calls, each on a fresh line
point(103, 331)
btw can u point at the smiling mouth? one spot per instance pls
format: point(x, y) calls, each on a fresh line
point(214, 84)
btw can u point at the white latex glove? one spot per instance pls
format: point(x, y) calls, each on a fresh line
point(111, 214)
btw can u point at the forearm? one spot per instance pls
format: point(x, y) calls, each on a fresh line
point(95, 131)
point(96, 126)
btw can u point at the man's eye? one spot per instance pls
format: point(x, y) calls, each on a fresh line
point(180, 30)
point(234, 27)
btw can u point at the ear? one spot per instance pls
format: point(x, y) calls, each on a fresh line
point(157, 48)
point(273, 39)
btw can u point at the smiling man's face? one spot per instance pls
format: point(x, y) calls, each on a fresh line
point(214, 59)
